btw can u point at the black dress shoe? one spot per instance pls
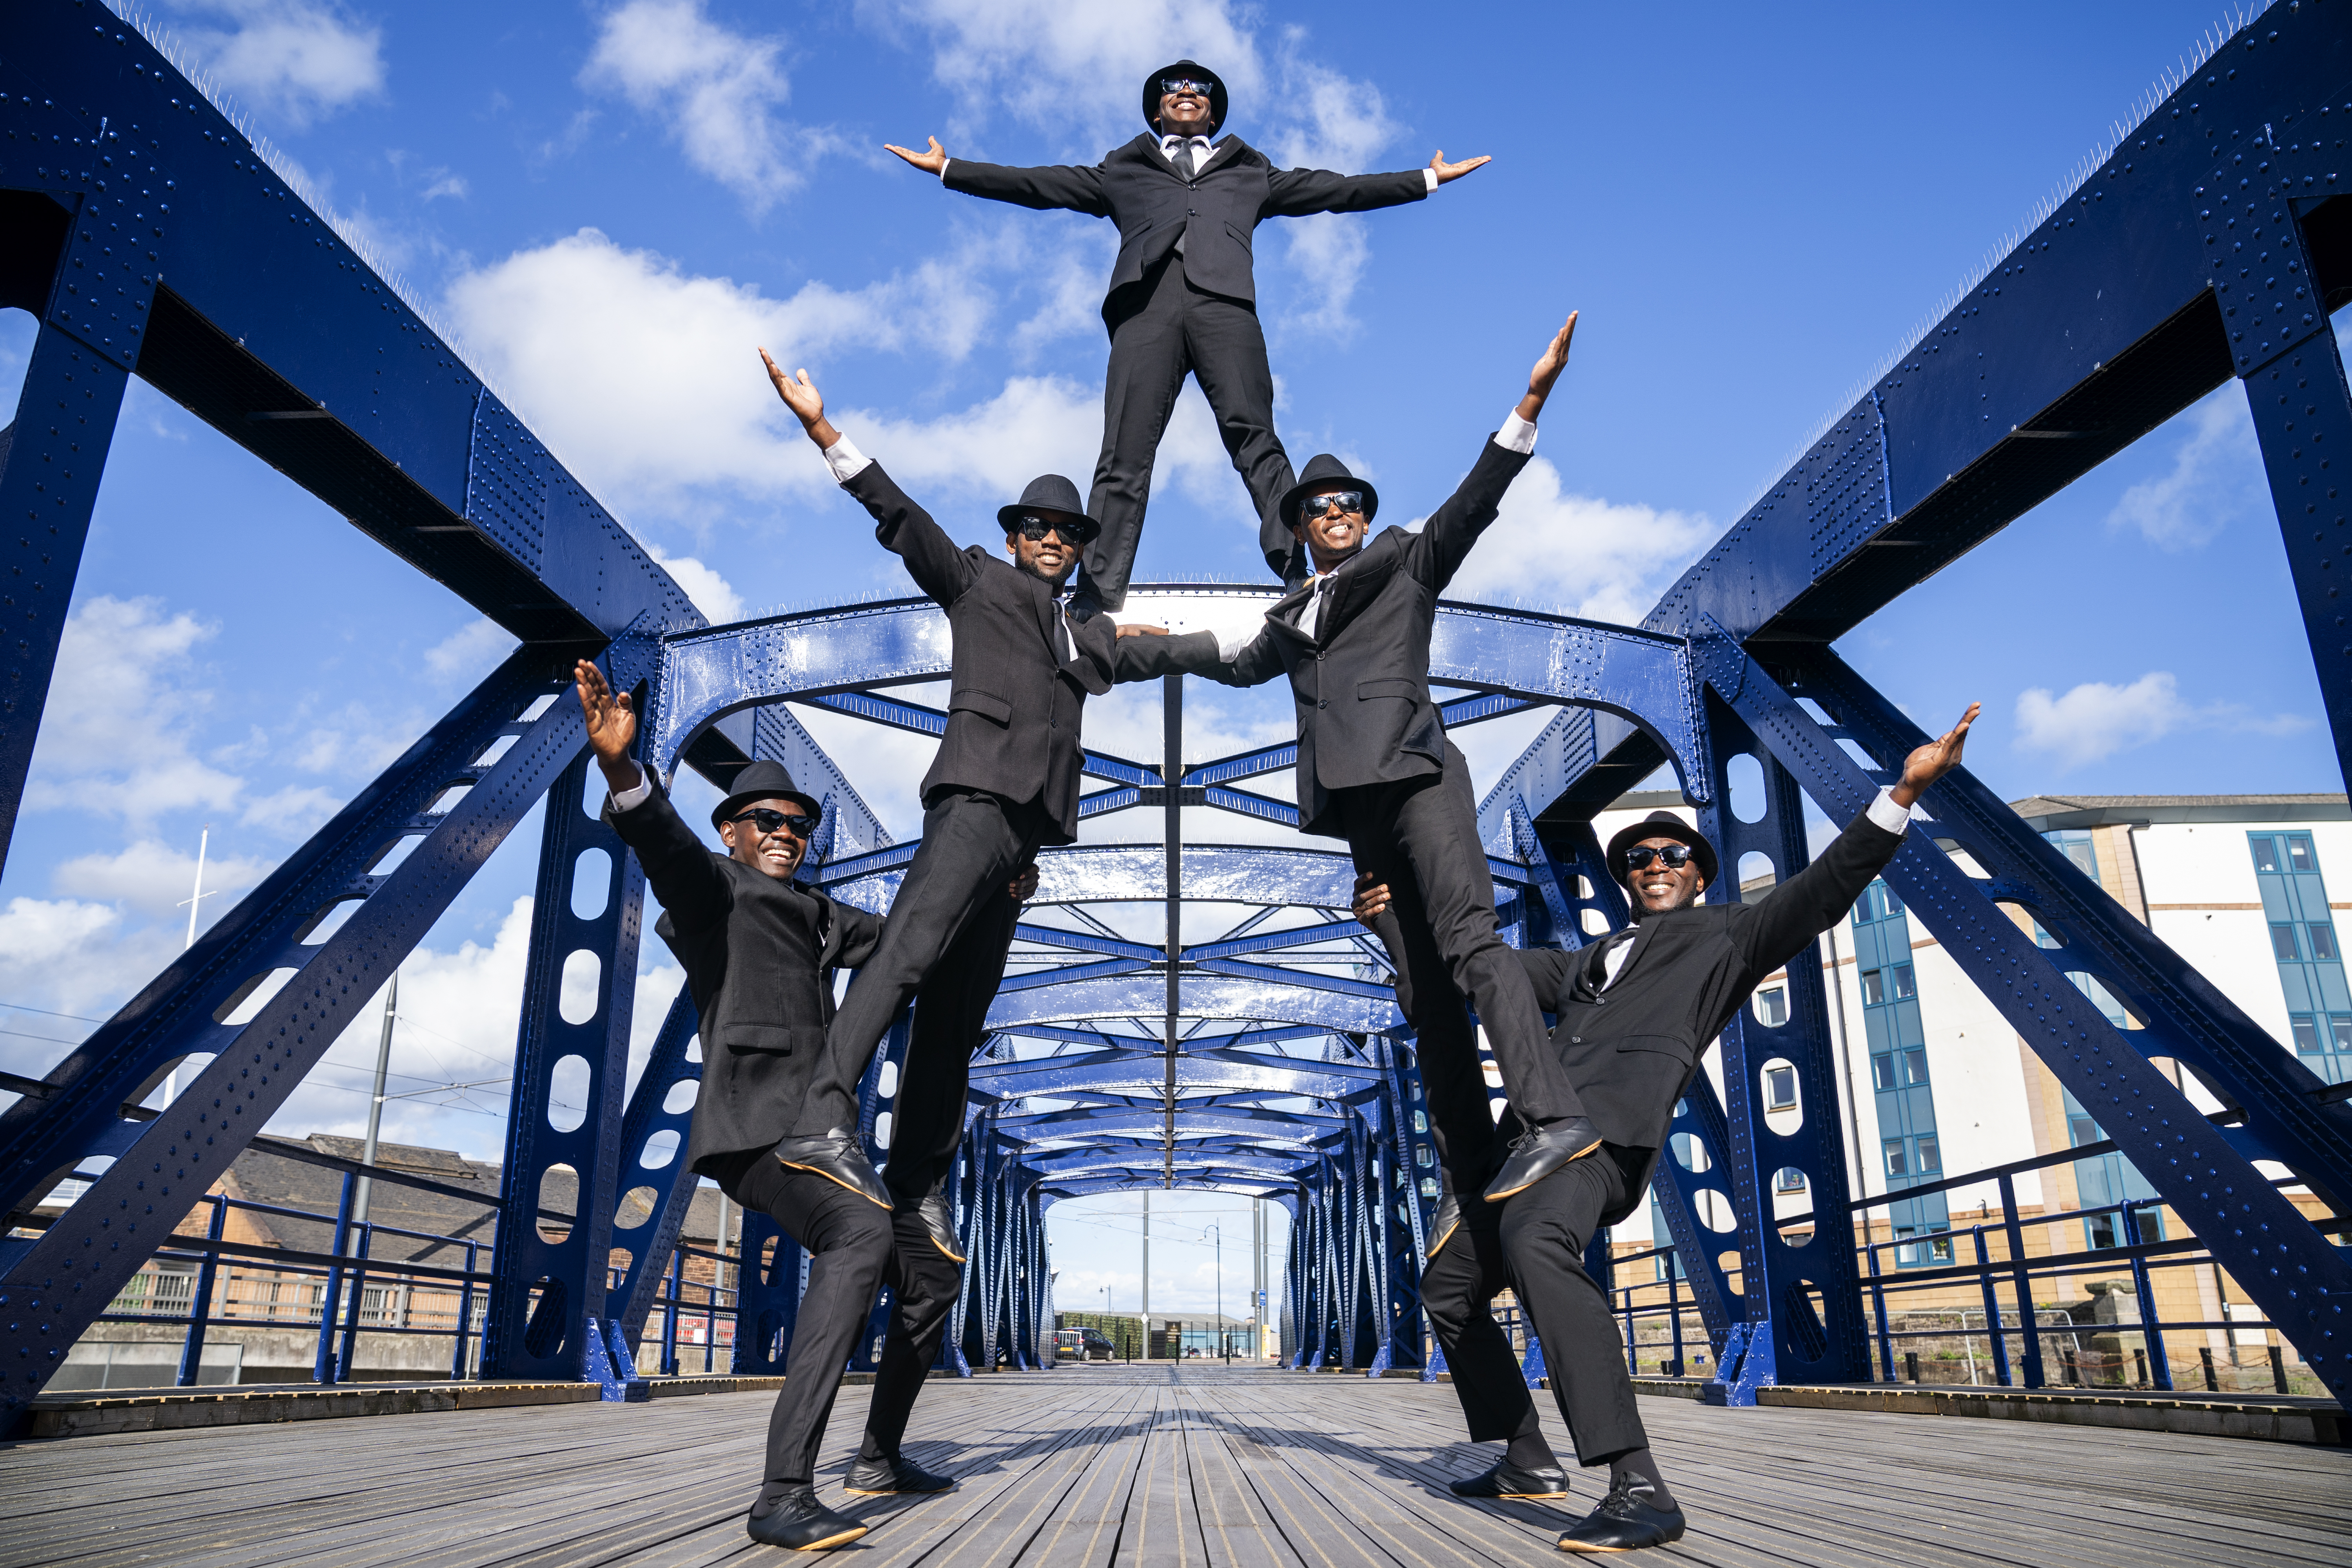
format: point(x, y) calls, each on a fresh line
point(933, 1212)
point(801, 1522)
point(1444, 1222)
point(1508, 1481)
point(1536, 1154)
point(894, 1473)
point(836, 1156)
point(1626, 1521)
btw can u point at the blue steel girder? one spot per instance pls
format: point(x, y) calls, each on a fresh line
point(1196, 1071)
point(1294, 1127)
point(62, 1280)
point(2301, 1282)
point(1199, 997)
point(1638, 677)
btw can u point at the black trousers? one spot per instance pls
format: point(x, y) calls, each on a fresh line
point(1420, 835)
point(973, 843)
point(854, 1250)
point(1544, 1232)
point(1163, 328)
point(950, 1020)
point(1458, 1289)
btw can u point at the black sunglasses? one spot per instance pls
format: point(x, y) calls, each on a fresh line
point(1033, 527)
point(1674, 856)
point(1174, 86)
point(1336, 504)
point(768, 820)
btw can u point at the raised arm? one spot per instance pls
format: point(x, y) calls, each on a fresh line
point(1444, 544)
point(1146, 653)
point(1296, 193)
point(679, 865)
point(1792, 914)
point(906, 530)
point(1066, 187)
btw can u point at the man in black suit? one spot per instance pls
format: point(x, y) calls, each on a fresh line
point(1183, 297)
point(1375, 767)
point(760, 953)
point(1005, 780)
point(1634, 1014)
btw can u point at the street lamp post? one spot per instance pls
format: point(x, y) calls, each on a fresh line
point(1223, 1339)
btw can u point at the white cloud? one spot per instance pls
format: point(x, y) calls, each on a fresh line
point(122, 711)
point(68, 956)
point(2216, 478)
point(448, 185)
point(711, 594)
point(718, 91)
point(471, 652)
point(297, 59)
point(1579, 555)
point(2096, 720)
point(155, 879)
point(294, 811)
point(645, 377)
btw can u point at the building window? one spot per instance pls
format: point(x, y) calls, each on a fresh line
point(2282, 943)
point(2299, 857)
point(2323, 942)
point(1906, 986)
point(1882, 1072)
point(2306, 1035)
point(1874, 988)
point(1914, 1067)
point(1788, 1180)
point(2265, 851)
point(1772, 1007)
point(1931, 1159)
point(1780, 1089)
point(1896, 1165)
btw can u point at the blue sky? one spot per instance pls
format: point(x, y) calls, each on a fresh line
point(612, 204)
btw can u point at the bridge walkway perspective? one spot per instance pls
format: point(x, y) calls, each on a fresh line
point(1197, 1463)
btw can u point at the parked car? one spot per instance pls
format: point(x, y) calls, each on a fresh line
point(1083, 1344)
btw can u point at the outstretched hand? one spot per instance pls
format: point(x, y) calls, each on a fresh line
point(1445, 170)
point(807, 403)
point(611, 723)
point(1138, 629)
point(932, 162)
point(1546, 373)
point(1934, 760)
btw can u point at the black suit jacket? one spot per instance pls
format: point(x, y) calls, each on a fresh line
point(1632, 1051)
point(1361, 684)
point(759, 956)
point(1014, 704)
point(1139, 189)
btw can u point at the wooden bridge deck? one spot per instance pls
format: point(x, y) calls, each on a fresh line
point(1191, 1466)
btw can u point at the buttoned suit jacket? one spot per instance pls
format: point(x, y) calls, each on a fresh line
point(759, 956)
point(1633, 1050)
point(1014, 704)
point(1216, 211)
point(1359, 685)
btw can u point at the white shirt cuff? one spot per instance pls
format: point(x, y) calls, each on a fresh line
point(1888, 816)
point(1430, 175)
point(1517, 435)
point(1230, 644)
point(943, 169)
point(846, 460)
point(634, 797)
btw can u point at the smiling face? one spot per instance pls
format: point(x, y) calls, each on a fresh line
point(776, 854)
point(1184, 114)
point(1659, 888)
point(1330, 537)
point(1051, 559)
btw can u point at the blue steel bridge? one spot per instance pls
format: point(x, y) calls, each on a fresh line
point(152, 238)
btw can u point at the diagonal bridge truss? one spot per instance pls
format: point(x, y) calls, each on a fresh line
point(1253, 1047)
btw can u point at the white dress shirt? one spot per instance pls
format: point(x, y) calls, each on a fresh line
point(1517, 435)
point(1882, 811)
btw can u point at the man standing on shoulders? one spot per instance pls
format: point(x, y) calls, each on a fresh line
point(1635, 1012)
point(1005, 783)
point(1183, 296)
point(1375, 767)
point(760, 953)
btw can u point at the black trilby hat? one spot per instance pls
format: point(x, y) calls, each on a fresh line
point(1660, 825)
point(1055, 496)
point(1198, 73)
point(762, 780)
point(1323, 473)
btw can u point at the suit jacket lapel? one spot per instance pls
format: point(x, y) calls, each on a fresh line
point(1231, 147)
point(1089, 666)
point(1646, 930)
point(1284, 616)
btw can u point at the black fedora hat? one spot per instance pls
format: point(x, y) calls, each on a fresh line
point(1323, 473)
point(762, 780)
point(1662, 824)
point(1053, 496)
point(1198, 73)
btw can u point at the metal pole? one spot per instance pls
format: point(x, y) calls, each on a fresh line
point(1225, 1339)
point(195, 901)
point(1846, 1071)
point(1171, 773)
point(375, 1102)
point(1147, 1273)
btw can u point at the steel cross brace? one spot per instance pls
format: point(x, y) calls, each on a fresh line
point(55, 1287)
point(2303, 1284)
